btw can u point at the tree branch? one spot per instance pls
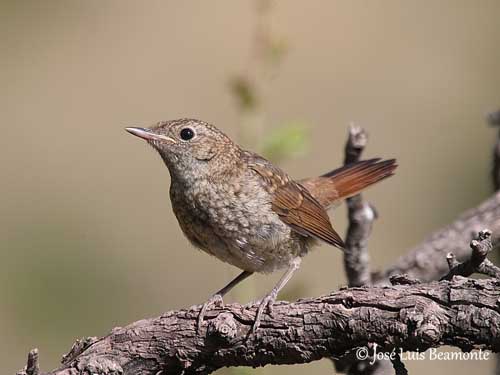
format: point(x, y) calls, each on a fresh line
point(477, 263)
point(361, 217)
point(32, 366)
point(427, 261)
point(461, 312)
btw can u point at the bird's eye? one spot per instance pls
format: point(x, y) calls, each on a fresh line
point(187, 134)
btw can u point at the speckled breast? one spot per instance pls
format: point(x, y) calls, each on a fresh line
point(234, 222)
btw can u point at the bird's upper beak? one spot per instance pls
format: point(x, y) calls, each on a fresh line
point(149, 135)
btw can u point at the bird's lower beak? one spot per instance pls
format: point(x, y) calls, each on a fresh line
point(148, 135)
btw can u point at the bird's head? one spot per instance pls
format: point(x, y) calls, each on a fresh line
point(188, 146)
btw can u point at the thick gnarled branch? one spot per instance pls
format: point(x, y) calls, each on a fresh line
point(461, 312)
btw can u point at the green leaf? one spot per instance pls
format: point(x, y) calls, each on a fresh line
point(289, 140)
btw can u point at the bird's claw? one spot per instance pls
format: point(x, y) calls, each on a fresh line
point(251, 304)
point(265, 304)
point(215, 300)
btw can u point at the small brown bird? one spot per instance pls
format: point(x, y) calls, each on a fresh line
point(237, 206)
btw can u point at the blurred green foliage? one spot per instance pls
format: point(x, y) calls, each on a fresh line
point(286, 141)
point(243, 92)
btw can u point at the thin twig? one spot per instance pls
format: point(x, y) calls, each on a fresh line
point(32, 367)
point(361, 217)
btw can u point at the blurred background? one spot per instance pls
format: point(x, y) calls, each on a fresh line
point(88, 238)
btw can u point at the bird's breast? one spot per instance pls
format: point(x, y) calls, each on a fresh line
point(235, 223)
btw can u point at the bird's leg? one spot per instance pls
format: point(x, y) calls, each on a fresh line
point(269, 299)
point(216, 299)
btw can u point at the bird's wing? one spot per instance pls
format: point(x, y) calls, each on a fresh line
point(294, 204)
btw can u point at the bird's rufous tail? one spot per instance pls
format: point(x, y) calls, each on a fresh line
point(348, 180)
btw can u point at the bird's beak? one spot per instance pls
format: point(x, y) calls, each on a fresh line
point(149, 135)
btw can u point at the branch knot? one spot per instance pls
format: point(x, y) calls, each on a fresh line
point(223, 328)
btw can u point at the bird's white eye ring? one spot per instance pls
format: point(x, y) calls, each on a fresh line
point(187, 134)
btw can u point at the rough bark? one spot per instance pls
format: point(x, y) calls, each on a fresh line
point(462, 312)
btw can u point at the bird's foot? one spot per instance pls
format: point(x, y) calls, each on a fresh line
point(215, 300)
point(251, 304)
point(265, 304)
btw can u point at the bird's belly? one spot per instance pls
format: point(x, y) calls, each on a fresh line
point(252, 241)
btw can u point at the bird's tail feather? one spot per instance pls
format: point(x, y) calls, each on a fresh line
point(349, 180)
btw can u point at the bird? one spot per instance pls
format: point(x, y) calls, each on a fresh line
point(239, 207)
